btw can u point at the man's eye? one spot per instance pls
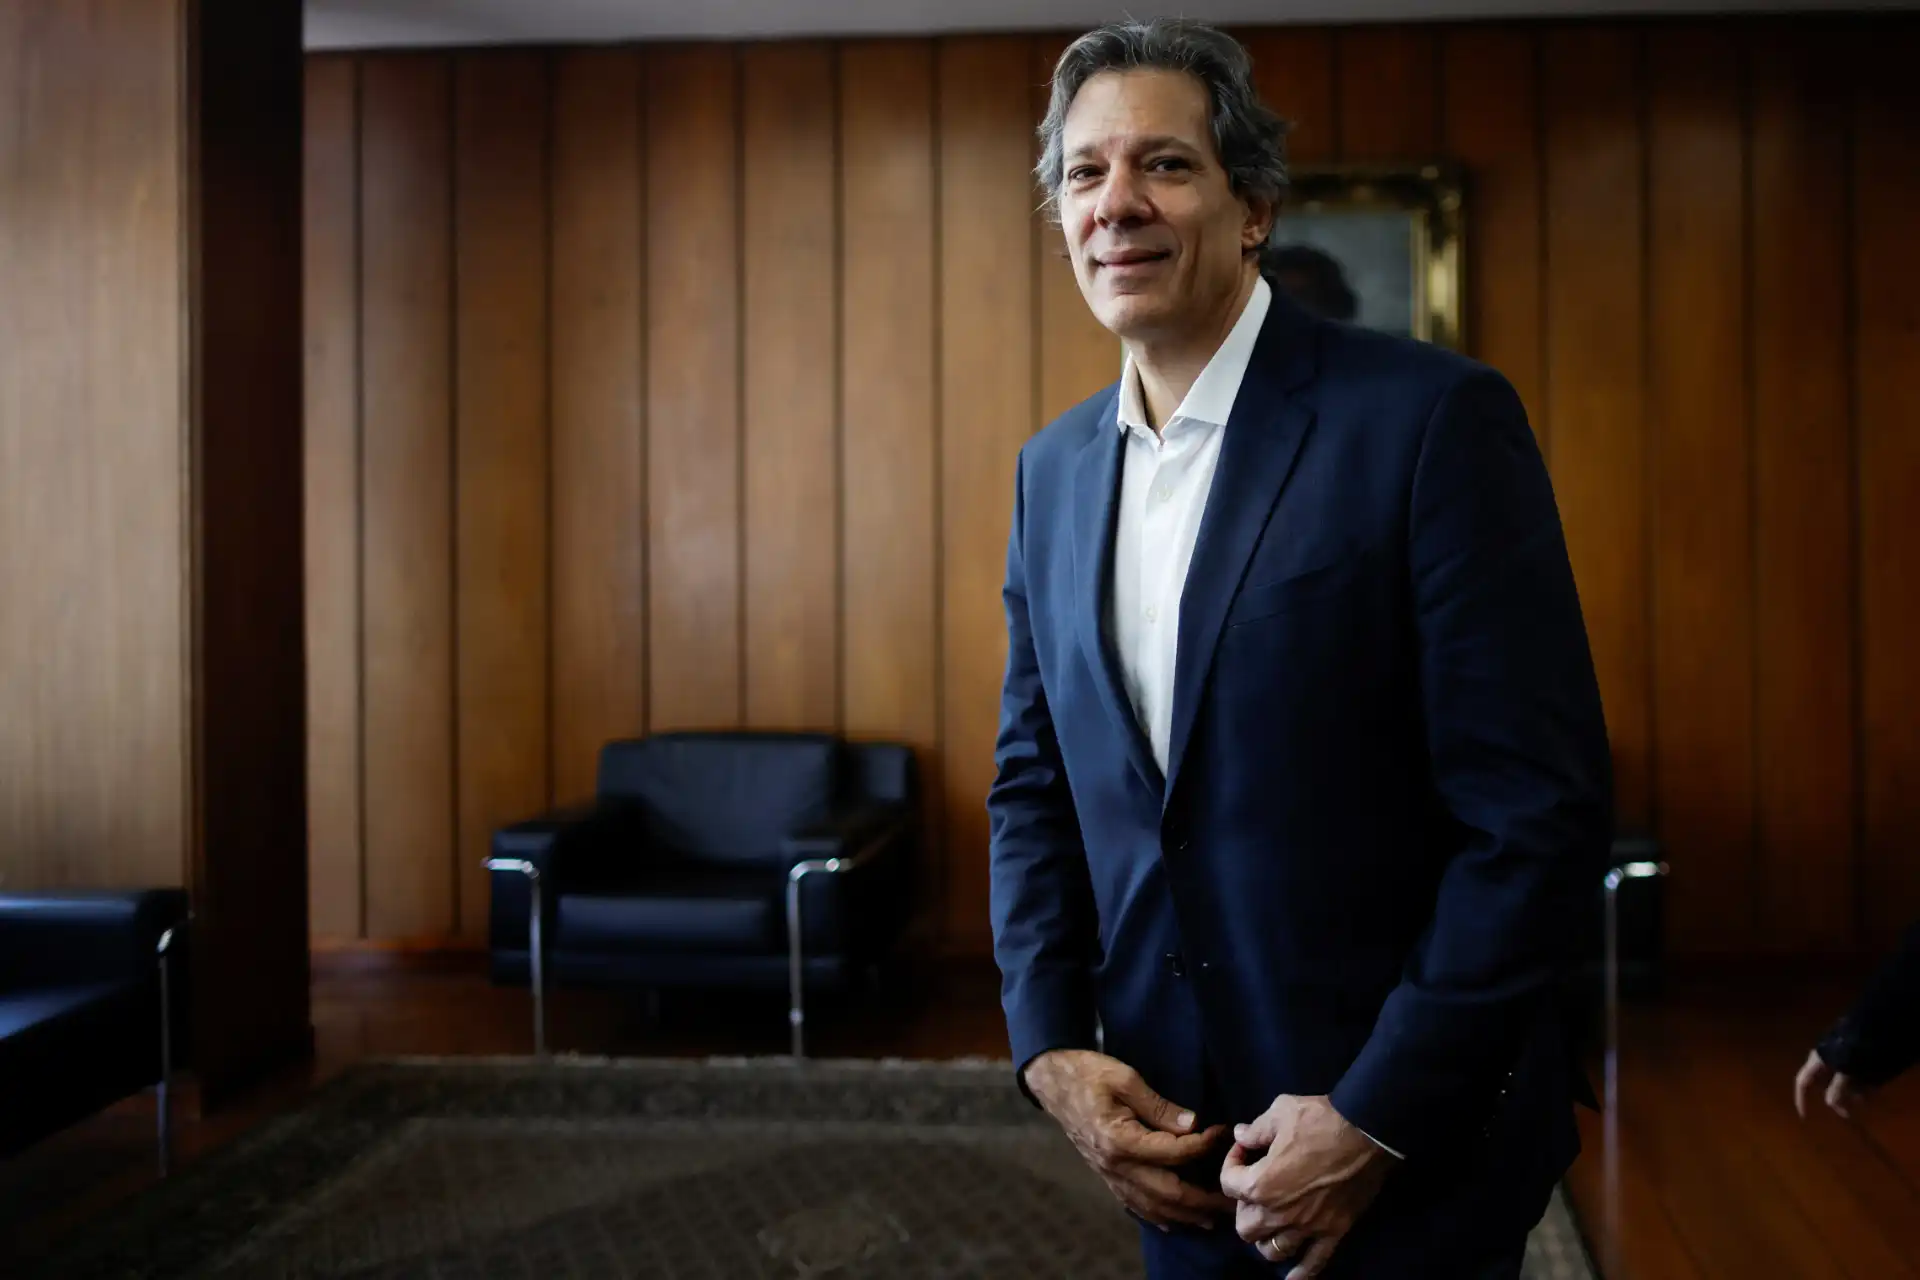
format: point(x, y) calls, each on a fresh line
point(1169, 162)
point(1080, 173)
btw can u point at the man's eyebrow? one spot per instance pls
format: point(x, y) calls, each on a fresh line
point(1148, 142)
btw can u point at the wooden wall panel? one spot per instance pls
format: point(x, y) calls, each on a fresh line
point(598, 381)
point(500, 450)
point(1886, 267)
point(332, 482)
point(790, 435)
point(94, 772)
point(407, 493)
point(1701, 495)
point(1388, 90)
point(1078, 356)
point(1293, 71)
point(987, 411)
point(1804, 726)
point(1491, 117)
point(781, 473)
point(693, 389)
point(1595, 391)
point(890, 488)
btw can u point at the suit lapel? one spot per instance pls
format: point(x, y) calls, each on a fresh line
point(1263, 438)
point(1096, 505)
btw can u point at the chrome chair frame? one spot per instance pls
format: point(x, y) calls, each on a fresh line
point(535, 952)
point(796, 959)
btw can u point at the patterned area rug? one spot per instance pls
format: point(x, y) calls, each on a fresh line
point(685, 1170)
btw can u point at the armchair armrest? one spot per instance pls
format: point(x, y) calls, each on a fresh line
point(548, 848)
point(851, 837)
point(60, 938)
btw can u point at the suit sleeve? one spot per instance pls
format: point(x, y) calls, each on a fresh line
point(1879, 1037)
point(1520, 760)
point(1044, 929)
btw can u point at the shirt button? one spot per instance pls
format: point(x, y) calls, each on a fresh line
point(1162, 493)
point(1152, 614)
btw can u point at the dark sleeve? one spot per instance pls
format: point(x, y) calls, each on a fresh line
point(1044, 930)
point(1520, 760)
point(1879, 1037)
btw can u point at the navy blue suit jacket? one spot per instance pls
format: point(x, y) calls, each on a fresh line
point(1386, 808)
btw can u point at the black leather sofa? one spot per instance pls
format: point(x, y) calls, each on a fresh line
point(92, 1006)
point(713, 859)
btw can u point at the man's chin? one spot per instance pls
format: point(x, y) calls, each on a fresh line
point(1132, 315)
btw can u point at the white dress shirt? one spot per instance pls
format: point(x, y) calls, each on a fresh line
point(1163, 493)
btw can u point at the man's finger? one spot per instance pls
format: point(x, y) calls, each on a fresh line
point(1840, 1094)
point(1316, 1260)
point(1138, 1096)
point(1812, 1072)
point(1257, 1132)
point(1177, 1197)
point(1238, 1173)
point(1255, 1222)
point(1134, 1141)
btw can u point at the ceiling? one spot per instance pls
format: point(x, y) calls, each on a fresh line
point(333, 24)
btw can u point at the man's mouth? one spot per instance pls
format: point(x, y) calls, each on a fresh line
point(1133, 257)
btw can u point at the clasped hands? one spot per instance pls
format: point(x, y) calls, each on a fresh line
point(1297, 1178)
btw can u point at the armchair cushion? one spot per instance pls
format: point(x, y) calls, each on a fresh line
point(725, 797)
point(676, 907)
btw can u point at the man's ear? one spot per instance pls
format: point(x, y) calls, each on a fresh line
point(1259, 224)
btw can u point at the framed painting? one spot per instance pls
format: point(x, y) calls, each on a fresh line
point(1377, 246)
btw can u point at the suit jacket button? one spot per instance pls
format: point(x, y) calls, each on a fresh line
point(1176, 964)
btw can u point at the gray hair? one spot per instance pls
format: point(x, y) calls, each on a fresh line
point(1249, 136)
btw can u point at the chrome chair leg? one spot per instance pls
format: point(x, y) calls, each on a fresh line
point(536, 952)
point(1611, 968)
point(796, 959)
point(164, 1095)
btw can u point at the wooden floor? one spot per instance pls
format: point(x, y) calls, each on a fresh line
point(1712, 1174)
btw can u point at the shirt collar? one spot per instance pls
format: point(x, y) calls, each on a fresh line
point(1211, 397)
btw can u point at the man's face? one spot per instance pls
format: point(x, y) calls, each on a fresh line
point(1156, 235)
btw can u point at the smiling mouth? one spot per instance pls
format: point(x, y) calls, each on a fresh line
point(1136, 258)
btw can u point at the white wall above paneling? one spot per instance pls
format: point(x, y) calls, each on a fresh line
point(334, 24)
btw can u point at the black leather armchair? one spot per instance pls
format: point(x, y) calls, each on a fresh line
point(92, 988)
point(713, 859)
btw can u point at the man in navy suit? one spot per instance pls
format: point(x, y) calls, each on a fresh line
point(1303, 788)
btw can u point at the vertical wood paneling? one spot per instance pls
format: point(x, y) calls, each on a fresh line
point(93, 447)
point(1293, 72)
point(790, 435)
point(1078, 355)
point(500, 451)
point(1389, 93)
point(693, 388)
point(1491, 117)
point(987, 411)
point(1595, 393)
point(407, 493)
point(890, 488)
point(332, 482)
point(1666, 291)
point(599, 508)
point(1803, 501)
point(1886, 265)
point(1701, 480)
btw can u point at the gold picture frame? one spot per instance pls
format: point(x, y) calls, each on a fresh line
point(1381, 245)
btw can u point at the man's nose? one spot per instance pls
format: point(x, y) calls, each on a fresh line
point(1122, 198)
